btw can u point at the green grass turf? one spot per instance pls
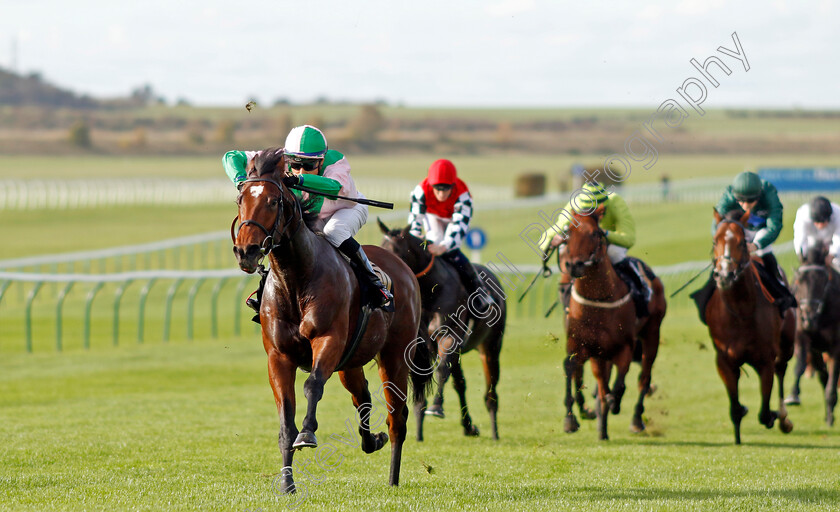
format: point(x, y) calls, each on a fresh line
point(188, 426)
point(497, 170)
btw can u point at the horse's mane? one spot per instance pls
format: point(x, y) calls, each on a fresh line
point(268, 163)
point(734, 215)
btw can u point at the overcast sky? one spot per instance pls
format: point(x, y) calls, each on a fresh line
point(429, 53)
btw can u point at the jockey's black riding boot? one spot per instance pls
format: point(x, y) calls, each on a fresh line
point(628, 272)
point(780, 292)
point(469, 277)
point(254, 303)
point(701, 297)
point(383, 298)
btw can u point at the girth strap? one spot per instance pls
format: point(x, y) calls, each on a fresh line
point(361, 325)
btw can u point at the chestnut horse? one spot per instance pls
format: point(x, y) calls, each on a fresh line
point(817, 289)
point(309, 313)
point(601, 324)
point(447, 312)
point(745, 325)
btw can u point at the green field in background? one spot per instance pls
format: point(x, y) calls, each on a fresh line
point(189, 426)
point(475, 170)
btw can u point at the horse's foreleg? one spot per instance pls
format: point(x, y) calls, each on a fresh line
point(622, 366)
point(585, 412)
point(460, 385)
point(831, 388)
point(442, 373)
point(490, 362)
point(325, 357)
point(601, 369)
point(766, 416)
point(801, 353)
point(570, 424)
point(730, 373)
point(785, 425)
point(281, 375)
point(394, 375)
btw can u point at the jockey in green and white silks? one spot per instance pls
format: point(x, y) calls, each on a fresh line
point(324, 170)
point(750, 193)
point(619, 230)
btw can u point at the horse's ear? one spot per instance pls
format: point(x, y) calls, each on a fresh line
point(598, 213)
point(718, 217)
point(250, 168)
point(744, 218)
point(382, 226)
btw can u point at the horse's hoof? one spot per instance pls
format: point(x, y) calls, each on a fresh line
point(471, 431)
point(305, 440)
point(436, 411)
point(637, 426)
point(570, 424)
point(587, 414)
point(792, 400)
point(603, 437)
point(283, 484)
point(769, 419)
point(786, 426)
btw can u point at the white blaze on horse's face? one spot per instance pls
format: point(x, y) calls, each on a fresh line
point(256, 191)
point(727, 251)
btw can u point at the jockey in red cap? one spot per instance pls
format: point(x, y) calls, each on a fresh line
point(441, 205)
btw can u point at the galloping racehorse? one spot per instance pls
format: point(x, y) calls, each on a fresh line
point(449, 311)
point(745, 324)
point(309, 316)
point(601, 324)
point(817, 289)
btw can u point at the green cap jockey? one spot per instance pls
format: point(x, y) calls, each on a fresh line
point(746, 186)
point(306, 146)
point(765, 215)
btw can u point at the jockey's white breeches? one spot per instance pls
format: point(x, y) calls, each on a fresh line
point(345, 223)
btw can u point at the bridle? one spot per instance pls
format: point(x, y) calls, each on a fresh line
point(595, 257)
point(270, 242)
point(740, 266)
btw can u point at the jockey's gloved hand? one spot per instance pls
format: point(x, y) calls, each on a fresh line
point(291, 180)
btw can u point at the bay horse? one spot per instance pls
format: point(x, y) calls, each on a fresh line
point(817, 290)
point(745, 325)
point(310, 310)
point(454, 324)
point(601, 325)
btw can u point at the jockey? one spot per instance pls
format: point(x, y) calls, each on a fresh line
point(442, 206)
point(326, 170)
point(818, 221)
point(749, 193)
point(620, 231)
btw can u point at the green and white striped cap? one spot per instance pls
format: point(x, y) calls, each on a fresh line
point(591, 195)
point(306, 142)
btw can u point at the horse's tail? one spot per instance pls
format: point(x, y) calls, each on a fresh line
point(421, 369)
